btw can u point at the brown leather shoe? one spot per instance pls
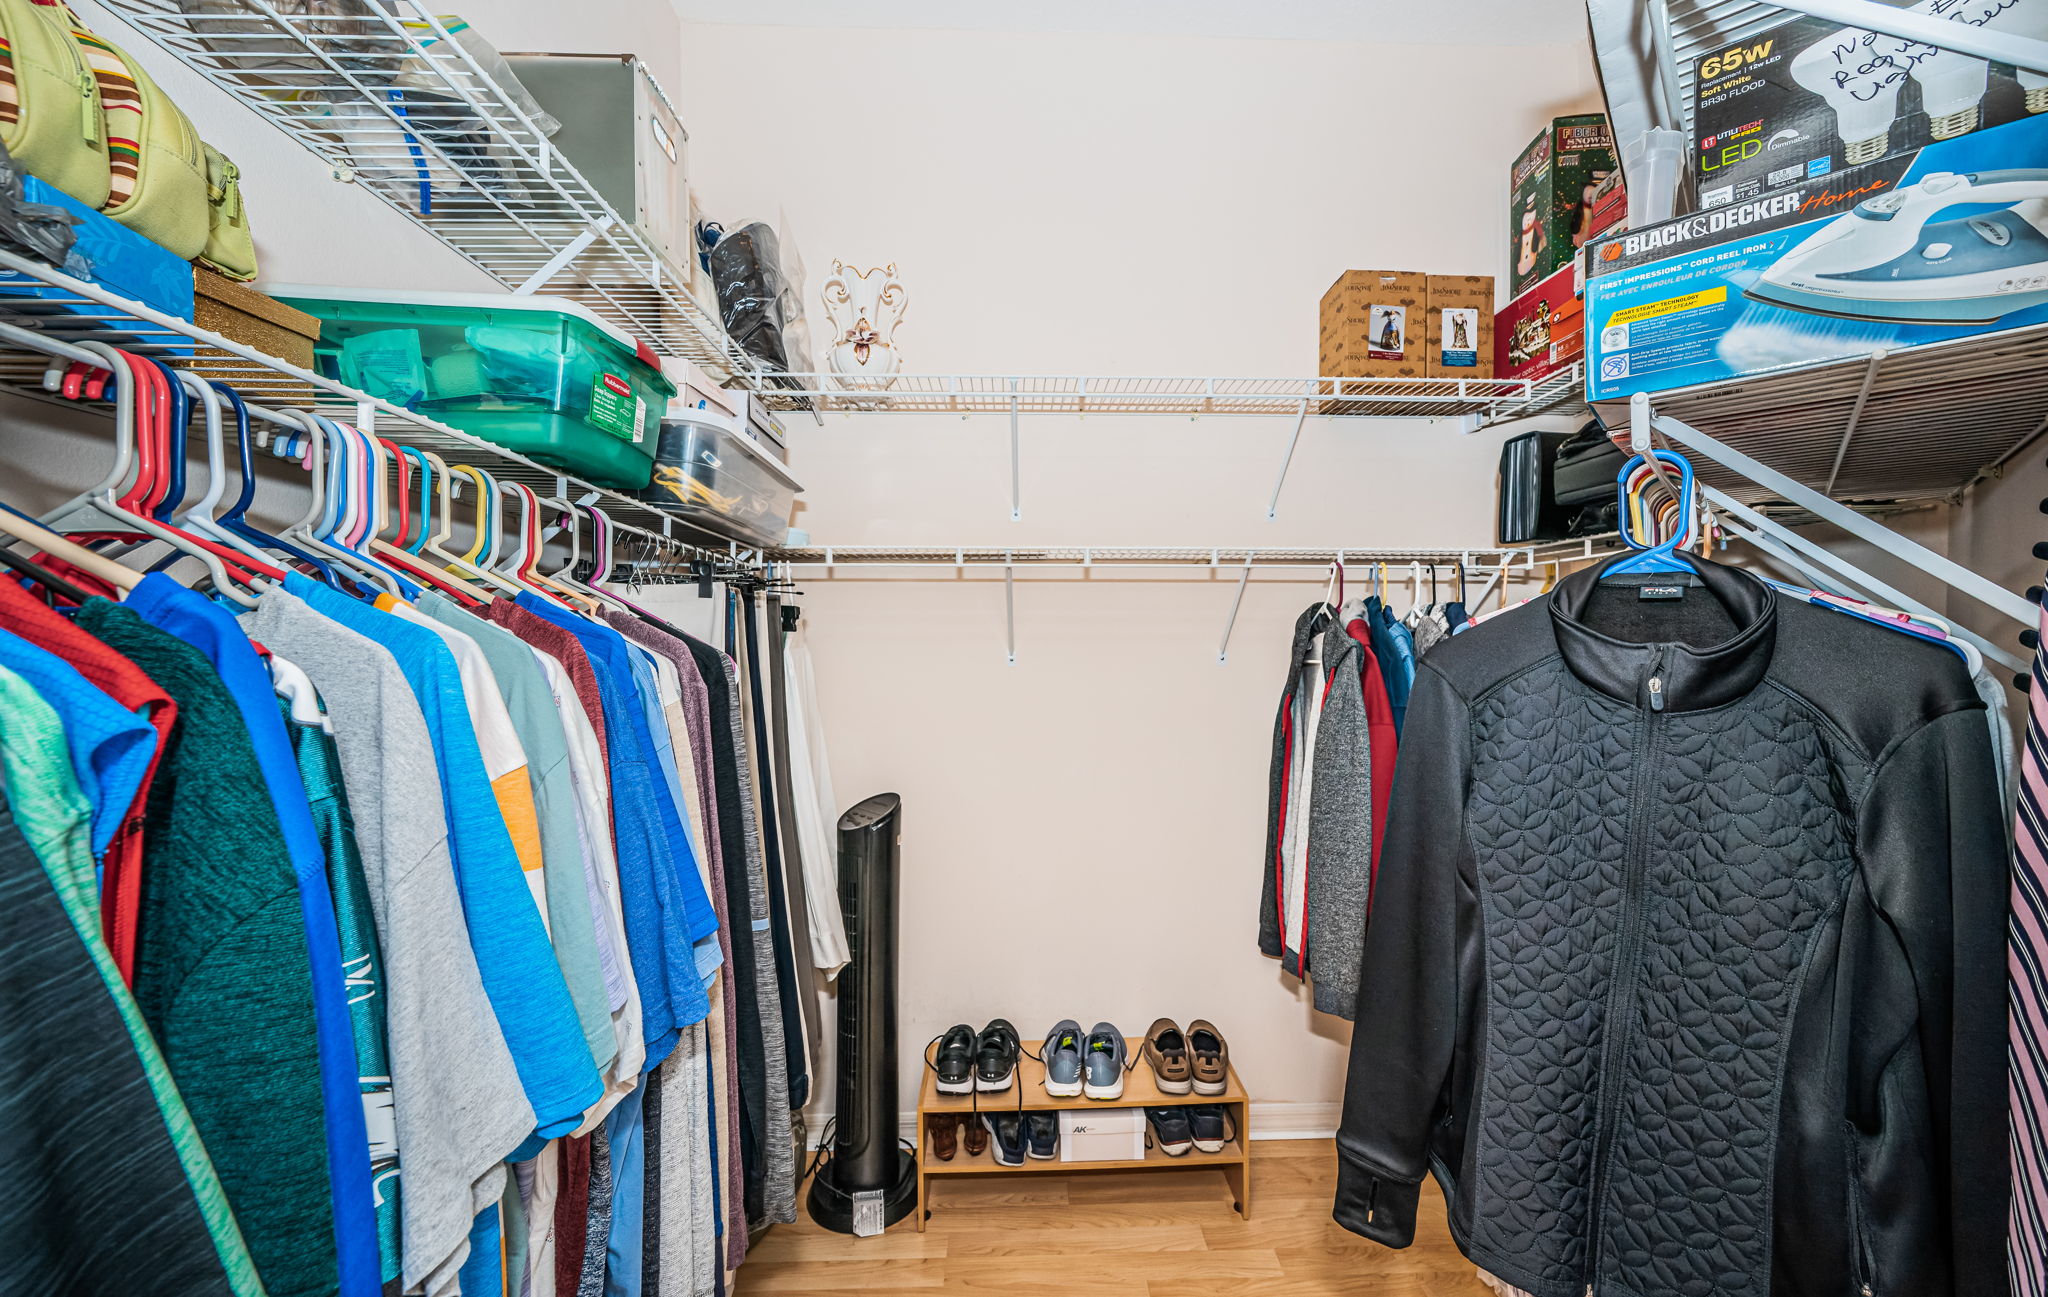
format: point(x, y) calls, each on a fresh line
point(1166, 1049)
point(1209, 1054)
point(974, 1135)
point(945, 1130)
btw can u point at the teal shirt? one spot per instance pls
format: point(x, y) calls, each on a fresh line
point(362, 967)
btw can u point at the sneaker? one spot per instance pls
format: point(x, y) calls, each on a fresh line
point(1166, 1050)
point(1042, 1133)
point(1102, 1056)
point(1210, 1127)
point(1210, 1057)
point(1062, 1056)
point(1006, 1137)
point(995, 1056)
point(1167, 1130)
point(955, 1063)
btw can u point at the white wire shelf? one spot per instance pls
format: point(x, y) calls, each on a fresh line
point(388, 100)
point(266, 380)
point(1231, 560)
point(1915, 423)
point(1488, 399)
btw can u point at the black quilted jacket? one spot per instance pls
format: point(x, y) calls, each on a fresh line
point(1686, 971)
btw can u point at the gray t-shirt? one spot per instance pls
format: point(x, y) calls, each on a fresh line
point(457, 1102)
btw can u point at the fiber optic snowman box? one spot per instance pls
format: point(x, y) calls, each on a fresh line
point(1806, 98)
point(1944, 243)
point(1552, 189)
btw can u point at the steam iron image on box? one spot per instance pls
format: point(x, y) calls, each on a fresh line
point(1888, 260)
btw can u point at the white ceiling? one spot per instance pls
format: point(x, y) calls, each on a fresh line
point(1385, 22)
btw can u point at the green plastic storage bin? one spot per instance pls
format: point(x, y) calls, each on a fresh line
point(542, 376)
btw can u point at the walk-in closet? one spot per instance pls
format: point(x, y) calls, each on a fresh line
point(677, 648)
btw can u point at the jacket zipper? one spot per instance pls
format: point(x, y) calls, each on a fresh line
point(1621, 993)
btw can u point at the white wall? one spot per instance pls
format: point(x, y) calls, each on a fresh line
point(1084, 830)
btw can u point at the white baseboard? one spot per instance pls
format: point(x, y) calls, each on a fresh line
point(1274, 1119)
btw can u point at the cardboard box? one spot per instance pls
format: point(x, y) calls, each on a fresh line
point(1373, 325)
point(1551, 191)
point(1688, 301)
point(1102, 1135)
point(1542, 331)
point(1807, 98)
point(1459, 338)
point(239, 313)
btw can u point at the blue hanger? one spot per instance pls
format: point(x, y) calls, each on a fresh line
point(1664, 556)
point(351, 493)
point(234, 521)
point(426, 477)
point(1812, 597)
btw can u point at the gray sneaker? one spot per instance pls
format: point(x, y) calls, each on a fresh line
point(1103, 1057)
point(1062, 1056)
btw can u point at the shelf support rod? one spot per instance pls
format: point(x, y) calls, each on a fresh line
point(1010, 608)
point(570, 251)
point(1856, 576)
point(1293, 440)
point(1236, 601)
point(1855, 416)
point(1942, 569)
point(1016, 461)
point(2028, 54)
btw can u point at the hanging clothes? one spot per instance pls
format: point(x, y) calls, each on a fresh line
point(1778, 844)
point(223, 975)
point(458, 1106)
point(817, 809)
point(66, 1009)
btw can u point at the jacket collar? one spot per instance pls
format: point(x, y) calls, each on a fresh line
point(1693, 679)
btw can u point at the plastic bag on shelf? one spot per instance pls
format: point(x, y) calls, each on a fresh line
point(37, 230)
point(448, 68)
point(397, 162)
point(351, 32)
point(758, 299)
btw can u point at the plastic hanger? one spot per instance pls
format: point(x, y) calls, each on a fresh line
point(486, 528)
point(363, 507)
point(333, 493)
point(139, 391)
point(519, 564)
point(1660, 556)
point(396, 555)
point(235, 521)
point(565, 576)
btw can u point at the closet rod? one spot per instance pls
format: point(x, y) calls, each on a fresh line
point(29, 339)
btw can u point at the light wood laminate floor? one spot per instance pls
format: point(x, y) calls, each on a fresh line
point(1124, 1234)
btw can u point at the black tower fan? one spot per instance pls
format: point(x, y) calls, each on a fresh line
point(869, 1182)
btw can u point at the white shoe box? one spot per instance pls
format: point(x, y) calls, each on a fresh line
point(1102, 1134)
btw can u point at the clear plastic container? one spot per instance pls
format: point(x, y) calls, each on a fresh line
point(538, 375)
point(712, 475)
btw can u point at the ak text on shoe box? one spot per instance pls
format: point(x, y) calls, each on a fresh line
point(1806, 98)
point(1914, 249)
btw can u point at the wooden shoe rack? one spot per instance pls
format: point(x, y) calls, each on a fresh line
point(1139, 1092)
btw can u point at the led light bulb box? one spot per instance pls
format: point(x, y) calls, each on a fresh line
point(1102, 1134)
point(1458, 342)
point(1552, 188)
point(1542, 331)
point(1373, 325)
point(1806, 98)
point(1944, 243)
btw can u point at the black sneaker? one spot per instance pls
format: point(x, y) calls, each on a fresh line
point(1169, 1131)
point(1042, 1129)
point(1210, 1128)
point(955, 1063)
point(1006, 1137)
point(995, 1056)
